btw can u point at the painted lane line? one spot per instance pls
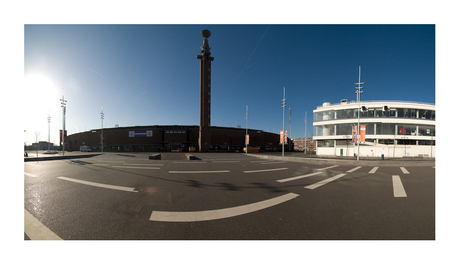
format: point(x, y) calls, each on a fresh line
point(398, 188)
point(265, 170)
point(101, 165)
point(100, 185)
point(354, 169)
point(373, 170)
point(199, 172)
point(219, 214)
point(300, 177)
point(404, 170)
point(136, 167)
point(30, 175)
point(323, 182)
point(224, 161)
point(156, 165)
point(268, 163)
point(36, 230)
point(327, 167)
point(191, 162)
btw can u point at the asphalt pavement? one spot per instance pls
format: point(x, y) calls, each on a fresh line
point(126, 196)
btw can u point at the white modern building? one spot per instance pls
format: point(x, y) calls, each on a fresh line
point(388, 128)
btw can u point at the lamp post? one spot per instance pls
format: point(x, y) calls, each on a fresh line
point(247, 136)
point(49, 120)
point(283, 105)
point(102, 129)
point(305, 141)
point(63, 103)
point(358, 98)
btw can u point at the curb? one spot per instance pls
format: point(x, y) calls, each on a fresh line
point(323, 161)
point(45, 158)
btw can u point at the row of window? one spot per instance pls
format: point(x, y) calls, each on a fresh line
point(175, 131)
point(378, 129)
point(375, 113)
point(330, 143)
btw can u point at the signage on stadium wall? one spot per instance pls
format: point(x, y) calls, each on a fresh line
point(140, 133)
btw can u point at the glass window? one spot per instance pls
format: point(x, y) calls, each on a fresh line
point(344, 129)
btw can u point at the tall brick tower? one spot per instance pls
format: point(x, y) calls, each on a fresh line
point(204, 140)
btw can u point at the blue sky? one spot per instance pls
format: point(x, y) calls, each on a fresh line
point(149, 74)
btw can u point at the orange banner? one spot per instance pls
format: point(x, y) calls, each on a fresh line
point(362, 134)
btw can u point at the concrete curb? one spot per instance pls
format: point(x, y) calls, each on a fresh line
point(324, 161)
point(155, 157)
point(46, 158)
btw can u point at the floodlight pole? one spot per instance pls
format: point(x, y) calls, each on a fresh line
point(283, 105)
point(359, 92)
point(246, 138)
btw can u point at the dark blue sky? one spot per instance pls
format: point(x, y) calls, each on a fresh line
point(149, 74)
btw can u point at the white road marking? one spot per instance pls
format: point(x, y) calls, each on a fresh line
point(137, 167)
point(192, 172)
point(100, 185)
point(354, 169)
point(218, 214)
point(299, 177)
point(157, 165)
point(273, 163)
point(102, 165)
point(327, 167)
point(36, 230)
point(265, 170)
point(398, 188)
point(30, 175)
point(404, 170)
point(323, 182)
point(224, 161)
point(191, 162)
point(373, 170)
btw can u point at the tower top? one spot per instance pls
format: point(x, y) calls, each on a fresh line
point(205, 49)
point(206, 33)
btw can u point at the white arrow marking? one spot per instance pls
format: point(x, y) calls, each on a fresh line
point(218, 214)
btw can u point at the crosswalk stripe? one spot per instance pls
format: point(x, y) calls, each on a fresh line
point(299, 177)
point(373, 170)
point(398, 188)
point(323, 182)
point(354, 169)
point(404, 170)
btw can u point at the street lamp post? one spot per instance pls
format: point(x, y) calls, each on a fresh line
point(63, 103)
point(358, 97)
point(102, 129)
point(305, 141)
point(49, 120)
point(283, 105)
point(246, 138)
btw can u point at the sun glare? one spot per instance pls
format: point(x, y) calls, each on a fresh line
point(41, 98)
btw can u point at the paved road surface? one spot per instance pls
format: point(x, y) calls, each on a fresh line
point(225, 196)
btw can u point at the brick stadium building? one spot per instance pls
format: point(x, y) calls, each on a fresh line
point(171, 138)
point(201, 138)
